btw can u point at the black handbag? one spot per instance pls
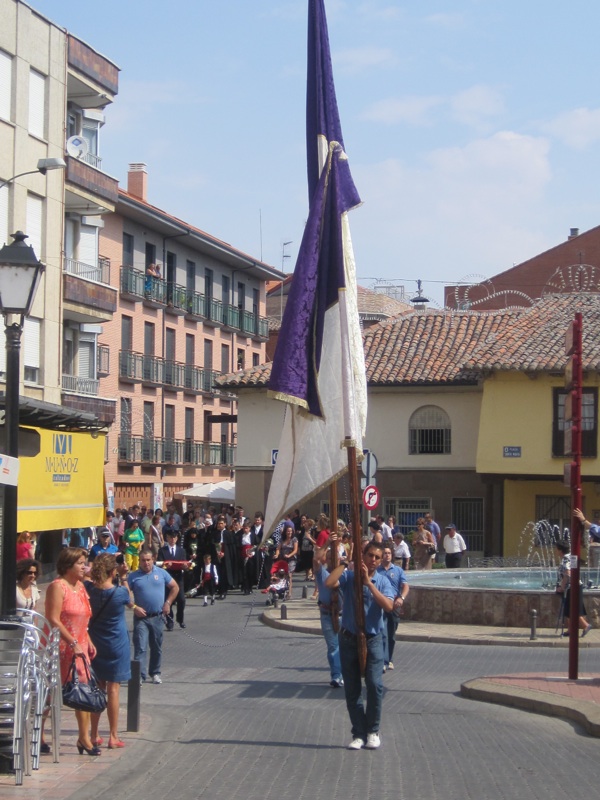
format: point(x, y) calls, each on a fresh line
point(82, 696)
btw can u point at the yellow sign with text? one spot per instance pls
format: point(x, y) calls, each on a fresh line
point(62, 486)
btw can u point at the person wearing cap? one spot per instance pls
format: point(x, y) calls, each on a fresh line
point(454, 546)
point(104, 545)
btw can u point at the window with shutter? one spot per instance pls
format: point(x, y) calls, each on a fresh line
point(5, 85)
point(37, 103)
point(35, 206)
point(31, 349)
point(4, 235)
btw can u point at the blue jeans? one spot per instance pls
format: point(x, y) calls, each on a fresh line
point(333, 647)
point(362, 721)
point(390, 625)
point(148, 631)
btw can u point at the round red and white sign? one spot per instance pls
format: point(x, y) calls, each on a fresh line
point(371, 497)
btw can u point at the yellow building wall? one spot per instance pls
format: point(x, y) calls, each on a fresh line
point(516, 411)
point(519, 512)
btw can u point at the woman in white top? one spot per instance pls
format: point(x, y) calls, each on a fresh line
point(28, 593)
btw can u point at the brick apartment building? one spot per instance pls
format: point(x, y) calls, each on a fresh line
point(170, 337)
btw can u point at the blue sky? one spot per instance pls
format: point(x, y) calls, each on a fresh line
point(472, 126)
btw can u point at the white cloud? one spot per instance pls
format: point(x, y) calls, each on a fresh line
point(412, 109)
point(476, 105)
point(466, 209)
point(357, 59)
point(578, 128)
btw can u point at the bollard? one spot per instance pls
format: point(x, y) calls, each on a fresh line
point(533, 618)
point(304, 593)
point(133, 698)
point(275, 601)
point(283, 611)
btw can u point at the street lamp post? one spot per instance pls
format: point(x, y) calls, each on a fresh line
point(20, 273)
point(43, 166)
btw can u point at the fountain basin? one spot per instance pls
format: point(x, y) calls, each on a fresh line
point(496, 597)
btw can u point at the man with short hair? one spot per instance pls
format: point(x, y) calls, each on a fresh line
point(386, 531)
point(148, 584)
point(454, 546)
point(172, 552)
point(378, 596)
point(397, 578)
point(104, 545)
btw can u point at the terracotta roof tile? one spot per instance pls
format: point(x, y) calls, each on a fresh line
point(457, 347)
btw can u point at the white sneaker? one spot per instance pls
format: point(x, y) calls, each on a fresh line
point(158, 679)
point(373, 741)
point(356, 744)
point(205, 603)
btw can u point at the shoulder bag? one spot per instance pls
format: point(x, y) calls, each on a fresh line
point(83, 696)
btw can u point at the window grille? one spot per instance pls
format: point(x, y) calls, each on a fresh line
point(429, 431)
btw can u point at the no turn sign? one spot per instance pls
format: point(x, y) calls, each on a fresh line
point(371, 497)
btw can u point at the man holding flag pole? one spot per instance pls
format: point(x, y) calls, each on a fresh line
point(318, 368)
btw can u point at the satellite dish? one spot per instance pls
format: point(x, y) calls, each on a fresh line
point(77, 147)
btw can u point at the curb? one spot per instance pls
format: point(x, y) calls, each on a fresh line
point(582, 712)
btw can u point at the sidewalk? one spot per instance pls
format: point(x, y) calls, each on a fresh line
point(544, 693)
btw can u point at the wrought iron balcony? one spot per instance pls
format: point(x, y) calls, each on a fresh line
point(195, 305)
point(132, 283)
point(152, 370)
point(150, 450)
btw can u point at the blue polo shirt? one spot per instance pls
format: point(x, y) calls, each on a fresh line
point(373, 613)
point(396, 576)
point(149, 588)
point(97, 549)
point(321, 576)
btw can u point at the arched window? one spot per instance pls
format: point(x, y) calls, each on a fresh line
point(429, 431)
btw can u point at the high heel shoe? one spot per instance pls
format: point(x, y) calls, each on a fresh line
point(97, 742)
point(90, 751)
point(115, 745)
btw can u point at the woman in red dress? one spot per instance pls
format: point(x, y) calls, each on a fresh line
point(68, 609)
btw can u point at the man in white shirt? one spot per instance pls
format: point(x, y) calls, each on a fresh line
point(386, 531)
point(454, 546)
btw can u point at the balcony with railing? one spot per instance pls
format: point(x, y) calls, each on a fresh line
point(157, 451)
point(198, 380)
point(177, 299)
point(81, 394)
point(132, 283)
point(231, 317)
point(195, 305)
point(154, 371)
point(97, 274)
point(80, 385)
point(213, 312)
point(87, 287)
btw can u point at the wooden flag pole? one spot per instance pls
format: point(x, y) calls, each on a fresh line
point(359, 609)
point(335, 599)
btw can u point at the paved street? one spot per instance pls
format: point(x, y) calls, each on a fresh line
point(256, 719)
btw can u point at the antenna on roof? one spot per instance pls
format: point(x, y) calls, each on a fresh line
point(419, 299)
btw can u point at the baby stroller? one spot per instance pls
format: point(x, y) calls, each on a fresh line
point(280, 583)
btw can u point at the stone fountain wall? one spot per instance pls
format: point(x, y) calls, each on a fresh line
point(502, 608)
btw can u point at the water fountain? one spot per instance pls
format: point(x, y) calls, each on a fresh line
point(501, 595)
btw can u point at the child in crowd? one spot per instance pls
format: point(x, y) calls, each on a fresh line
point(210, 580)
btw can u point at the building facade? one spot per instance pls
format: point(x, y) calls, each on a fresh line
point(200, 315)
point(53, 91)
point(466, 419)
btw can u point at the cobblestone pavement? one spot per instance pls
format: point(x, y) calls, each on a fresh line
point(247, 712)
